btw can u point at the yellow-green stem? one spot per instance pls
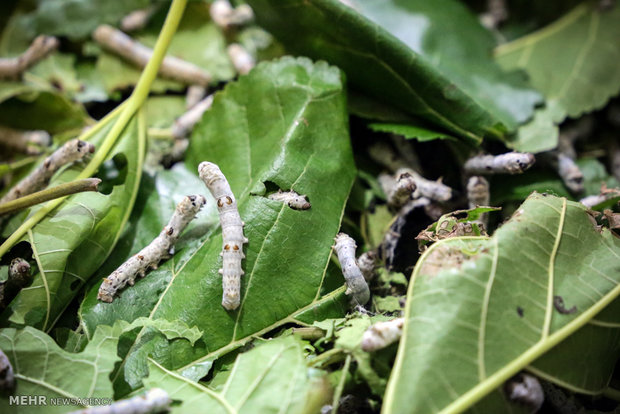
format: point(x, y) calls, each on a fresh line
point(129, 108)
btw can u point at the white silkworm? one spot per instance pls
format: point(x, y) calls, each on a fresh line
point(478, 194)
point(367, 263)
point(570, 173)
point(71, 151)
point(356, 284)
point(225, 16)
point(382, 334)
point(497, 12)
point(398, 189)
point(19, 277)
point(292, 199)
point(232, 233)
point(435, 190)
point(241, 59)
point(154, 400)
point(137, 19)
point(41, 46)
point(171, 67)
point(160, 248)
point(28, 142)
point(524, 389)
point(194, 94)
point(593, 200)
point(508, 163)
point(184, 124)
point(7, 378)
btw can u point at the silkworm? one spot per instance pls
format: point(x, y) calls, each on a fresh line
point(524, 389)
point(194, 94)
point(398, 189)
point(570, 173)
point(154, 400)
point(71, 151)
point(137, 19)
point(28, 142)
point(171, 67)
point(508, 163)
point(151, 255)
point(19, 277)
point(497, 12)
point(7, 378)
point(184, 124)
point(478, 194)
point(232, 233)
point(225, 16)
point(291, 199)
point(41, 46)
point(367, 262)
point(356, 285)
point(382, 334)
point(241, 59)
point(435, 190)
point(558, 304)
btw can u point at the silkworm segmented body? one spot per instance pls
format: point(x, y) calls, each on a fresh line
point(71, 151)
point(382, 334)
point(570, 173)
point(40, 47)
point(291, 199)
point(435, 190)
point(241, 59)
point(398, 189)
point(356, 284)
point(232, 233)
point(367, 262)
point(154, 400)
point(509, 163)
point(138, 54)
point(152, 254)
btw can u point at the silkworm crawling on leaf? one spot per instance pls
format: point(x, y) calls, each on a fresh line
point(291, 199)
point(398, 189)
point(137, 19)
point(173, 68)
point(508, 163)
point(570, 173)
point(225, 16)
point(184, 124)
point(194, 94)
point(71, 151)
point(28, 142)
point(241, 59)
point(7, 378)
point(367, 262)
point(356, 285)
point(524, 389)
point(435, 190)
point(41, 46)
point(154, 400)
point(232, 233)
point(19, 277)
point(382, 334)
point(151, 255)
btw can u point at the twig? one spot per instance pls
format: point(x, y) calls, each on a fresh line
point(71, 151)
point(509, 163)
point(173, 68)
point(72, 187)
point(27, 142)
point(242, 60)
point(356, 284)
point(232, 233)
point(13, 68)
point(160, 248)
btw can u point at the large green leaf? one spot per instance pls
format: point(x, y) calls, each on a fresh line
point(271, 378)
point(572, 61)
point(401, 54)
point(42, 368)
point(481, 309)
point(285, 124)
point(76, 238)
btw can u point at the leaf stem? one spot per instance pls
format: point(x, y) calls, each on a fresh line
point(340, 387)
point(129, 108)
point(72, 187)
point(612, 393)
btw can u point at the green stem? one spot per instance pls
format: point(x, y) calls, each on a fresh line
point(72, 187)
point(612, 393)
point(129, 108)
point(340, 387)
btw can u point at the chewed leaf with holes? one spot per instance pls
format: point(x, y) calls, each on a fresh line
point(76, 238)
point(276, 367)
point(575, 79)
point(481, 309)
point(42, 368)
point(297, 139)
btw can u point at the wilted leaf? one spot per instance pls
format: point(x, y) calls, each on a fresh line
point(42, 368)
point(481, 309)
point(296, 139)
point(409, 59)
